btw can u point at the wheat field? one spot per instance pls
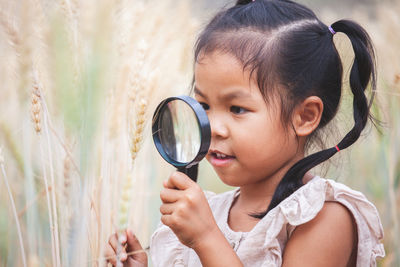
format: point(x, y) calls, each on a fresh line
point(80, 80)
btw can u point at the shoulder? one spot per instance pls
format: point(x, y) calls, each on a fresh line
point(330, 237)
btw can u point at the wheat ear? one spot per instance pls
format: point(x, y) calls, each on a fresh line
point(136, 96)
point(13, 208)
point(35, 104)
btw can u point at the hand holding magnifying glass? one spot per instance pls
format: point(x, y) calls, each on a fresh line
point(182, 133)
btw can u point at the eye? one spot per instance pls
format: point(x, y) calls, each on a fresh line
point(204, 105)
point(237, 110)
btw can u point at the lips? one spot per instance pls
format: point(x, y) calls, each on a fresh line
point(220, 159)
point(221, 156)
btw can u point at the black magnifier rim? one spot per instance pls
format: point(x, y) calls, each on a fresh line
point(202, 119)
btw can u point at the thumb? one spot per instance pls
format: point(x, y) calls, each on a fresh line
point(133, 245)
point(179, 180)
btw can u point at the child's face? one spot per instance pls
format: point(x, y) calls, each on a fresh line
point(247, 131)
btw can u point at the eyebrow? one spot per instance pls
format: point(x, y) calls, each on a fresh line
point(198, 92)
point(226, 97)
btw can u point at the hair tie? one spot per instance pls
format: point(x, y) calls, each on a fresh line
point(337, 148)
point(331, 30)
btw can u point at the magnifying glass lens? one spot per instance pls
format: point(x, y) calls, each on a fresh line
point(179, 131)
point(182, 133)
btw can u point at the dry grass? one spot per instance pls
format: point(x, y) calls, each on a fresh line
point(76, 182)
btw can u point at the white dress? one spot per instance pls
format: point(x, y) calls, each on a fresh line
point(265, 243)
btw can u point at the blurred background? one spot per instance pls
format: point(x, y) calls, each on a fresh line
point(79, 83)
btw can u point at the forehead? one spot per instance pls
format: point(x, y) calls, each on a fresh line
point(221, 76)
point(222, 70)
point(219, 61)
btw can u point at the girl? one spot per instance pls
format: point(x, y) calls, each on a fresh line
point(269, 76)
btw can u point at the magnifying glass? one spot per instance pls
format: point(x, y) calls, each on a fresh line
point(182, 133)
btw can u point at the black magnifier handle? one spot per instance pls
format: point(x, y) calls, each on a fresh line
point(192, 171)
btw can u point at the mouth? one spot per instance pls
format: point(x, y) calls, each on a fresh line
point(220, 159)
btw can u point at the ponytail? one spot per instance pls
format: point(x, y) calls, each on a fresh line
point(243, 2)
point(362, 72)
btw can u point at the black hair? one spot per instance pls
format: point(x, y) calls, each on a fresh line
point(292, 55)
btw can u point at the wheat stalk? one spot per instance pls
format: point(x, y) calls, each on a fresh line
point(1, 156)
point(142, 20)
point(53, 251)
point(36, 105)
point(66, 216)
point(138, 102)
point(137, 81)
point(69, 9)
point(135, 147)
point(13, 208)
point(10, 30)
point(67, 176)
point(137, 136)
point(12, 146)
point(36, 111)
point(53, 193)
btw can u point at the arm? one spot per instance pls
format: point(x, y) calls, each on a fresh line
point(327, 240)
point(216, 251)
point(186, 211)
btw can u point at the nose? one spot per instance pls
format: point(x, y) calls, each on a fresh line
point(219, 127)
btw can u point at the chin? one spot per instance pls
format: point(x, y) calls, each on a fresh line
point(231, 181)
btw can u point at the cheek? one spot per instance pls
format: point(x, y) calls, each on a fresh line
point(256, 135)
point(263, 143)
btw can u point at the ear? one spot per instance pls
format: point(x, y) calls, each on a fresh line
point(307, 115)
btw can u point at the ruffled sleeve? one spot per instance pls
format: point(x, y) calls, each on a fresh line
point(309, 200)
point(265, 244)
point(165, 248)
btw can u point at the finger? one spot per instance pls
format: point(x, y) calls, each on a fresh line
point(168, 195)
point(117, 238)
point(113, 242)
point(167, 208)
point(166, 219)
point(117, 244)
point(110, 255)
point(180, 181)
point(134, 245)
